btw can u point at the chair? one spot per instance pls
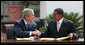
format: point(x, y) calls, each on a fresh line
point(9, 31)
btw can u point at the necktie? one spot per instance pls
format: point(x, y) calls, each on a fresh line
point(27, 26)
point(57, 26)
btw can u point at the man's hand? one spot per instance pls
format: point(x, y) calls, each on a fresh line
point(36, 33)
point(31, 38)
point(71, 35)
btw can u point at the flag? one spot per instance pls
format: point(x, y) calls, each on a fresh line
point(1, 33)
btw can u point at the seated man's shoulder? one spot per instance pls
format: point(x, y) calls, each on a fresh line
point(18, 21)
point(68, 21)
point(52, 21)
point(34, 23)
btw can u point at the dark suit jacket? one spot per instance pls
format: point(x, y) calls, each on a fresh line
point(20, 29)
point(67, 27)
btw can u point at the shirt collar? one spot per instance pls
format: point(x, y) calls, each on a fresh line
point(60, 20)
point(26, 22)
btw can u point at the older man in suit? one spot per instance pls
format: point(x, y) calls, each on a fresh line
point(59, 26)
point(26, 26)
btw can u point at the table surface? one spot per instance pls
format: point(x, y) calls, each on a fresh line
point(79, 41)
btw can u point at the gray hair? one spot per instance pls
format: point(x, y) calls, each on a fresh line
point(26, 11)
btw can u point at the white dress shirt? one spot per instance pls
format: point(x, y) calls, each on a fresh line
point(60, 22)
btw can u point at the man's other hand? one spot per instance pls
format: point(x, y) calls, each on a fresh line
point(36, 33)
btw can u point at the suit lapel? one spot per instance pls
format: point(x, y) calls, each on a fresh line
point(62, 25)
point(23, 24)
point(55, 26)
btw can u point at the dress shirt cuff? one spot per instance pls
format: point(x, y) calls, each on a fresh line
point(30, 33)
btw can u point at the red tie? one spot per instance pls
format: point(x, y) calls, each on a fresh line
point(57, 26)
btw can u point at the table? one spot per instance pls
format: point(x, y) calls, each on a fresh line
point(41, 42)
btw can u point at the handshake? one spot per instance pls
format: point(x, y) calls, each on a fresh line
point(36, 33)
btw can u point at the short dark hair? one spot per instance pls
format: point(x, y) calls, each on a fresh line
point(59, 10)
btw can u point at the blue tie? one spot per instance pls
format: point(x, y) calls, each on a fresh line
point(27, 26)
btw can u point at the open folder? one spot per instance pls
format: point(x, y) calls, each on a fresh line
point(52, 39)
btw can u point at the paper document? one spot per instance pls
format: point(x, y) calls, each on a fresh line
point(29, 39)
point(47, 39)
point(52, 39)
point(44, 39)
